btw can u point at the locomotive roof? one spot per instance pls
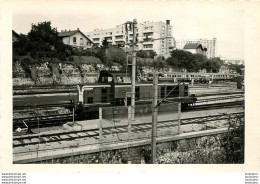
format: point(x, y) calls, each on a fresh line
point(113, 73)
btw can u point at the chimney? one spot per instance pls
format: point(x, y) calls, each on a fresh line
point(168, 22)
point(78, 29)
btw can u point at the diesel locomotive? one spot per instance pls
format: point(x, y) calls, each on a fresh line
point(114, 89)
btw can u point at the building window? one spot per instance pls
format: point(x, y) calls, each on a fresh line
point(74, 40)
point(148, 46)
point(90, 100)
point(81, 41)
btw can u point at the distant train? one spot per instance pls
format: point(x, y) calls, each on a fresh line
point(196, 77)
point(114, 89)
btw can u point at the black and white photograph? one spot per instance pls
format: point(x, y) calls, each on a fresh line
point(128, 82)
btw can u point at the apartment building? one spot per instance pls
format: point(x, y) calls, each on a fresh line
point(210, 44)
point(156, 36)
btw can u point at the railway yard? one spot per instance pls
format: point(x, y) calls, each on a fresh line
point(46, 124)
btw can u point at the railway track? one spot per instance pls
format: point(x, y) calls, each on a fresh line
point(22, 107)
point(55, 120)
point(219, 98)
point(42, 121)
point(214, 106)
point(25, 140)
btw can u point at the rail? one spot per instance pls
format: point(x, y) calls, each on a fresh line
point(41, 138)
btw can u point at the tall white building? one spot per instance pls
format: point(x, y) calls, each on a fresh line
point(210, 44)
point(156, 36)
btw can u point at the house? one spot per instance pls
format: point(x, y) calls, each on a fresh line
point(15, 36)
point(195, 48)
point(75, 39)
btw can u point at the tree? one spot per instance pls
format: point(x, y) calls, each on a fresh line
point(146, 54)
point(237, 68)
point(193, 62)
point(183, 59)
point(42, 41)
point(216, 64)
point(104, 44)
point(116, 55)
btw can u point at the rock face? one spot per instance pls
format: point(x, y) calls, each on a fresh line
point(19, 76)
point(66, 73)
point(70, 74)
point(52, 74)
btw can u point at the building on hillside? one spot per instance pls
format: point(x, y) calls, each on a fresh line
point(195, 48)
point(234, 61)
point(76, 39)
point(210, 44)
point(15, 36)
point(151, 36)
point(224, 69)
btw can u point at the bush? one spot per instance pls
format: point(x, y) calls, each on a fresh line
point(233, 141)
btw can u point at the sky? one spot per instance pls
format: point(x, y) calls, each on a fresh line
point(189, 20)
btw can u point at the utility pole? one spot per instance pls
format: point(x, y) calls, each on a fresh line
point(179, 117)
point(154, 116)
point(133, 69)
point(100, 126)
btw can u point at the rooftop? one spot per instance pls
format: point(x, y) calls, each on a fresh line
point(70, 33)
point(194, 46)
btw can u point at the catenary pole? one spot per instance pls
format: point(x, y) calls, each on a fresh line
point(154, 116)
point(133, 70)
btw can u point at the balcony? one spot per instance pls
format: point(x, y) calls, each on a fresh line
point(119, 38)
point(148, 31)
point(108, 37)
point(147, 36)
point(117, 41)
point(149, 42)
point(119, 34)
point(147, 48)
